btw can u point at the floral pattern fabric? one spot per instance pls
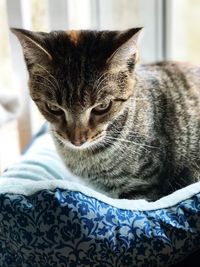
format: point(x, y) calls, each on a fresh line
point(66, 228)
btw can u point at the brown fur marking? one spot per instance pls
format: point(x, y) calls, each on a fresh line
point(74, 36)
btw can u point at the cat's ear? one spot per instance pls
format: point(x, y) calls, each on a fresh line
point(33, 46)
point(127, 49)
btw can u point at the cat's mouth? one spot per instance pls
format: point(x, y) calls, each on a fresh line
point(90, 143)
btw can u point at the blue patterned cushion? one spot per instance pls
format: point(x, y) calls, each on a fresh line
point(49, 222)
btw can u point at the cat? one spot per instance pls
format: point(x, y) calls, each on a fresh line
point(128, 130)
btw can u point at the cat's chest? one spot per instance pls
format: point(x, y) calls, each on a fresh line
point(112, 162)
point(89, 165)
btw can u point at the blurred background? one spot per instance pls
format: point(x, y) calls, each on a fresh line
point(172, 31)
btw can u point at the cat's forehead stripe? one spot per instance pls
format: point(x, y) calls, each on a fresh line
point(74, 36)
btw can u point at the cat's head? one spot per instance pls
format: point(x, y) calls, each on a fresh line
point(80, 80)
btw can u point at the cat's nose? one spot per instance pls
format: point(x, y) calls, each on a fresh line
point(78, 135)
point(78, 142)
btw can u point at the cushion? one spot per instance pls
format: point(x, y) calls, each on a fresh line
point(49, 218)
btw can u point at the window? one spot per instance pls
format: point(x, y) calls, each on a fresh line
point(185, 30)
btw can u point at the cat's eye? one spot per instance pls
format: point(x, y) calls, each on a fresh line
point(54, 109)
point(102, 108)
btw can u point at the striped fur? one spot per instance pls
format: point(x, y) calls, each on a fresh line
point(147, 145)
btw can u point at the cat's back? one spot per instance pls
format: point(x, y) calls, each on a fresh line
point(187, 74)
point(178, 83)
point(177, 87)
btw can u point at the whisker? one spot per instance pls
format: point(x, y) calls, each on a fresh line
point(125, 147)
point(101, 89)
point(138, 98)
point(49, 74)
point(122, 148)
point(53, 84)
point(100, 82)
point(44, 85)
point(99, 79)
point(132, 142)
point(132, 133)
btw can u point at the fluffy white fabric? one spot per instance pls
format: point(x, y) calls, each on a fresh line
point(28, 187)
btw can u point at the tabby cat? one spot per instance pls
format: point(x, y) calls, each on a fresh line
point(129, 131)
